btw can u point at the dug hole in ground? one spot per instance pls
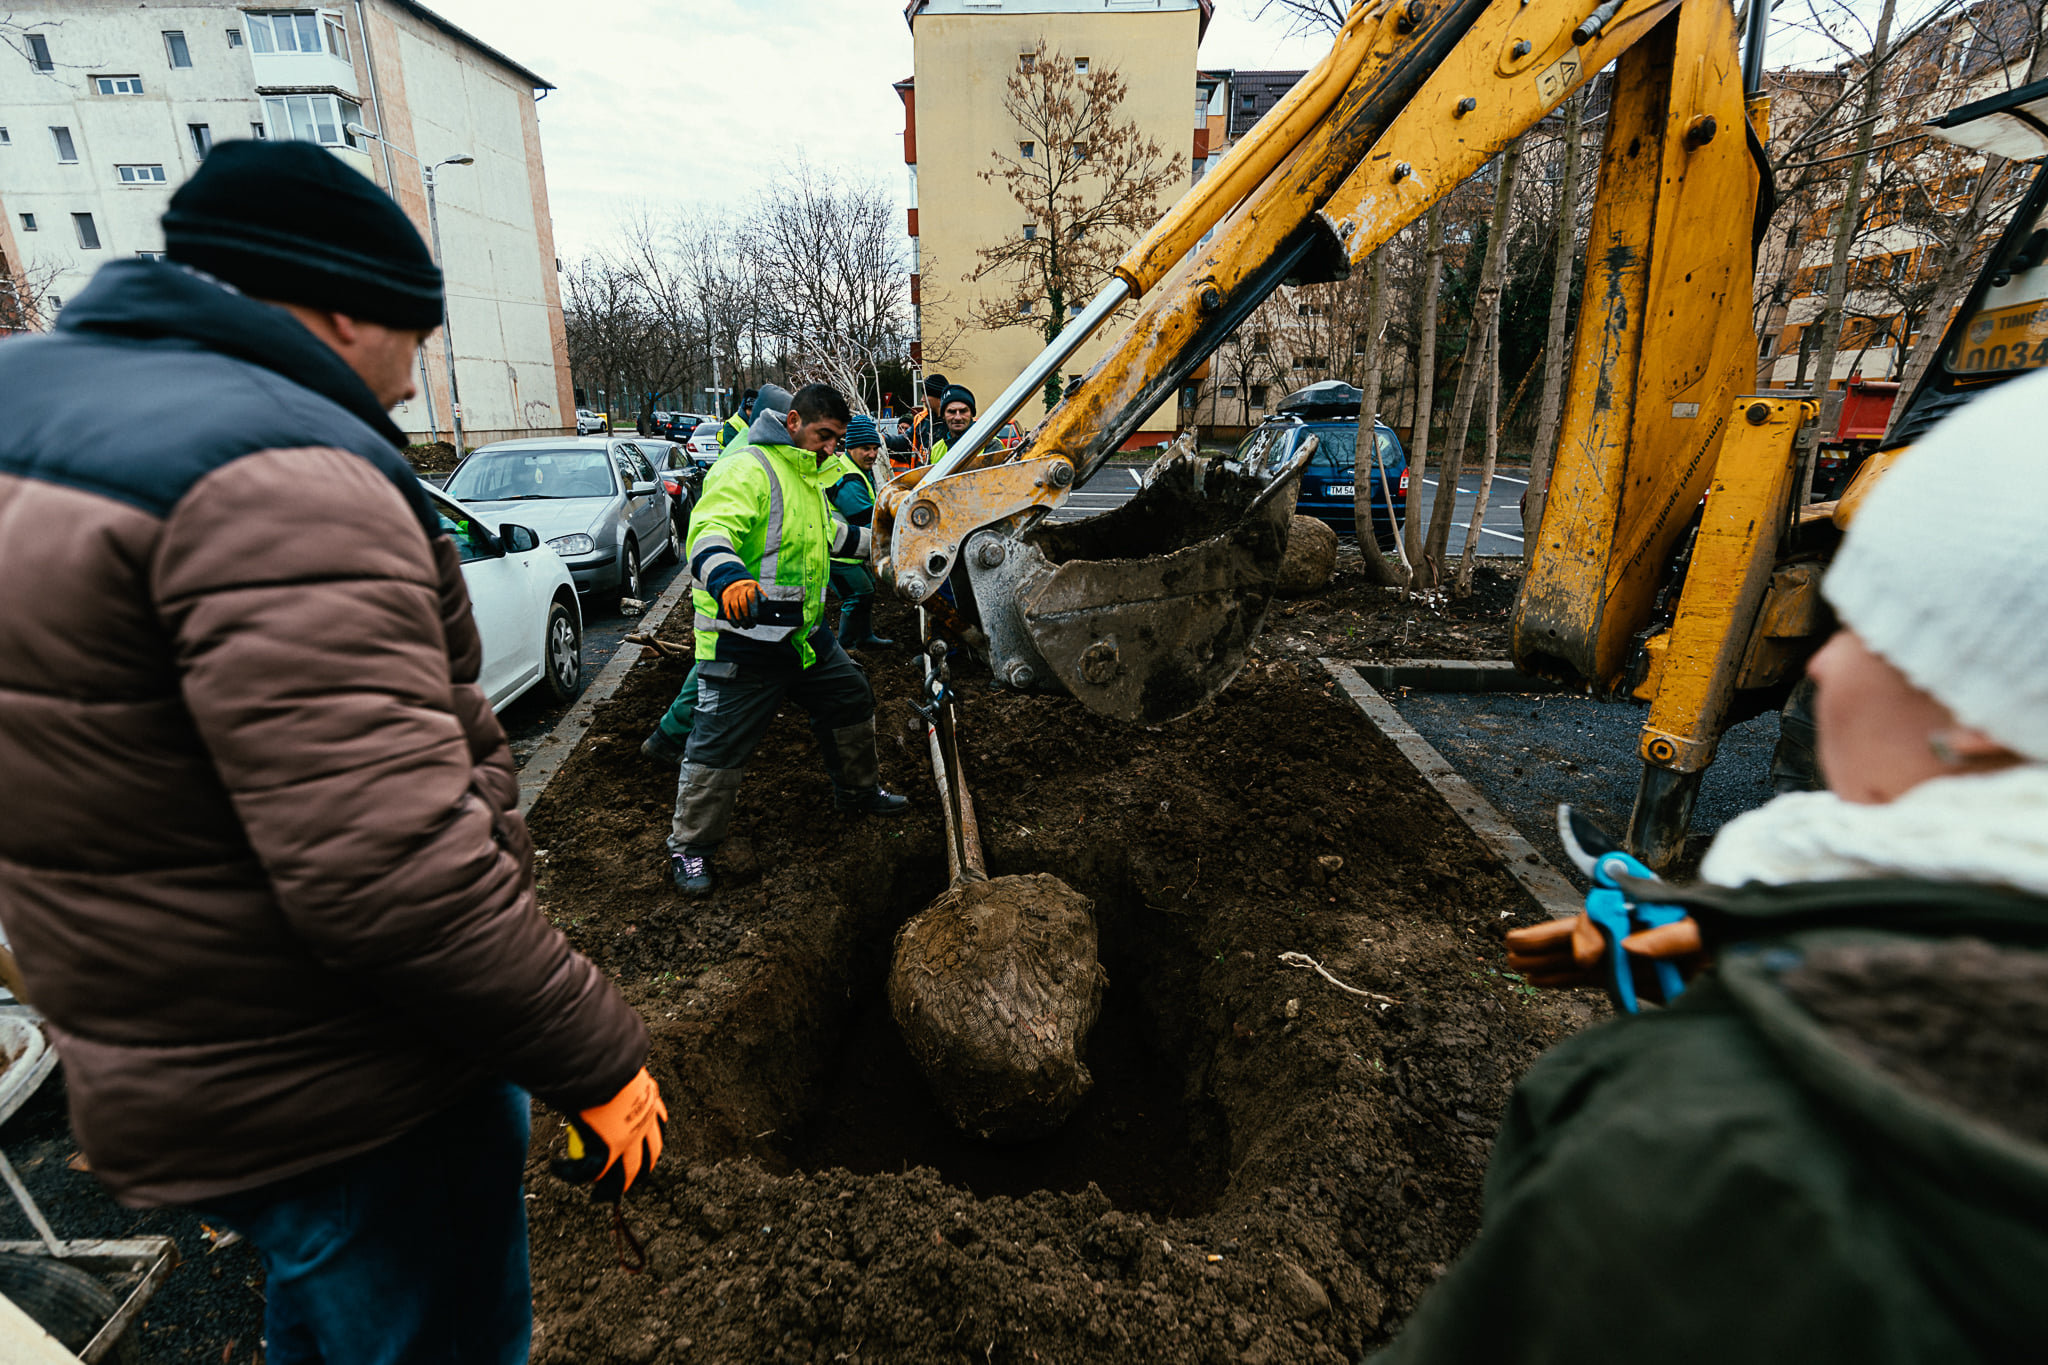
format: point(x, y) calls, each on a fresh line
point(1268, 1169)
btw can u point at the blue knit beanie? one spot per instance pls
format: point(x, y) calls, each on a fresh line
point(860, 431)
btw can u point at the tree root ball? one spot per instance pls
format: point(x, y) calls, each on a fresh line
point(1311, 557)
point(994, 987)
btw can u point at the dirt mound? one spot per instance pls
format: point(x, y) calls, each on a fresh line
point(1267, 1168)
point(995, 987)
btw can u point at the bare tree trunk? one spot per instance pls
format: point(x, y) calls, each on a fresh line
point(1845, 234)
point(1463, 584)
point(1556, 350)
point(1485, 323)
point(1365, 463)
point(1425, 390)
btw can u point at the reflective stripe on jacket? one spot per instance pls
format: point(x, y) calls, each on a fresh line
point(764, 513)
point(851, 493)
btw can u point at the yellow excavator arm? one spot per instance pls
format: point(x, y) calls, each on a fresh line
point(1146, 612)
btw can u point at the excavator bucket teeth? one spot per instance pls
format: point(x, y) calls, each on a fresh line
point(1147, 611)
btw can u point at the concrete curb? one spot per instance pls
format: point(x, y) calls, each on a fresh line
point(1452, 675)
point(1558, 897)
point(551, 753)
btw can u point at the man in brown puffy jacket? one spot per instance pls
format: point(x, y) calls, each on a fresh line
point(261, 859)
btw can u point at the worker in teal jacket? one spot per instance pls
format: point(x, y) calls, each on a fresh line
point(848, 480)
point(665, 744)
point(762, 537)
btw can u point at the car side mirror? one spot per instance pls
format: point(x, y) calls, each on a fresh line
point(643, 489)
point(517, 539)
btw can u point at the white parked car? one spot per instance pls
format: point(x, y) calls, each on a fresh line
point(525, 606)
point(588, 422)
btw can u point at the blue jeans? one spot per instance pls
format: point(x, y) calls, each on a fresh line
point(413, 1253)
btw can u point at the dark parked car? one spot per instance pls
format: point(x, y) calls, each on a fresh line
point(1329, 411)
point(680, 477)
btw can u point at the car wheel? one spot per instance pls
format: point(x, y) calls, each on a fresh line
point(629, 572)
point(562, 653)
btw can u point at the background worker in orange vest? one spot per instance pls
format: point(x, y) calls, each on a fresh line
point(926, 427)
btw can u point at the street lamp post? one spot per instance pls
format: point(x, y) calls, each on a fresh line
point(434, 229)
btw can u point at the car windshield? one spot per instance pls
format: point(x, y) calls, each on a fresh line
point(1269, 448)
point(511, 475)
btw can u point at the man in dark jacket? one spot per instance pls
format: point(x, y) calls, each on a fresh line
point(305, 987)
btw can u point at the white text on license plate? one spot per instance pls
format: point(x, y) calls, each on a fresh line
point(1341, 490)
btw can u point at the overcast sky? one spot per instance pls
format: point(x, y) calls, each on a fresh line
point(672, 101)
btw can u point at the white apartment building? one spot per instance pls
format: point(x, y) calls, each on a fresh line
point(107, 106)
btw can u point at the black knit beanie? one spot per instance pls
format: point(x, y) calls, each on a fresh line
point(958, 393)
point(288, 222)
point(934, 385)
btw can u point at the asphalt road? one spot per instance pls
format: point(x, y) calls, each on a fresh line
point(1114, 485)
point(1527, 753)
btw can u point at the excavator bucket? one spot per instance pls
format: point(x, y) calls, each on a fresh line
point(1147, 611)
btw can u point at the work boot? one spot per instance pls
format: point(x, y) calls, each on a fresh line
point(692, 873)
point(873, 801)
point(661, 749)
point(857, 627)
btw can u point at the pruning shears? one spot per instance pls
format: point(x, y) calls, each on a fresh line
point(1617, 914)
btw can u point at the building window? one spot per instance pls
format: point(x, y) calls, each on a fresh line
point(5, 139)
point(234, 37)
point(295, 31)
point(1261, 344)
point(39, 53)
point(54, 301)
point(1024, 308)
point(1031, 232)
point(1308, 310)
point(28, 222)
point(1768, 342)
point(1081, 66)
point(1228, 391)
point(67, 150)
point(1247, 102)
point(1258, 395)
point(1074, 310)
point(312, 118)
point(1358, 344)
point(150, 255)
point(118, 85)
point(1027, 62)
point(174, 45)
point(202, 138)
point(258, 131)
point(337, 36)
point(1311, 362)
point(140, 175)
point(1792, 237)
point(1027, 150)
point(88, 234)
point(1080, 151)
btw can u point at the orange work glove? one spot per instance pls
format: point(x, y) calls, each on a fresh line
point(610, 1145)
point(1569, 952)
point(740, 601)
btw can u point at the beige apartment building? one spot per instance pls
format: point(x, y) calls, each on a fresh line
point(954, 123)
point(107, 106)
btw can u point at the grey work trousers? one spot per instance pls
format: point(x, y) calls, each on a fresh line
point(736, 702)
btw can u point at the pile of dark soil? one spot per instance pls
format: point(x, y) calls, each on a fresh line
point(1268, 1168)
point(1356, 619)
point(432, 457)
